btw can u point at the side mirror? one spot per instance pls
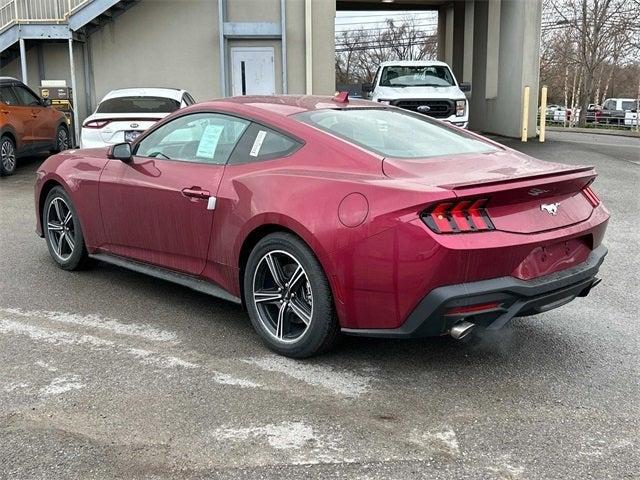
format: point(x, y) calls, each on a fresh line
point(46, 102)
point(367, 87)
point(465, 86)
point(121, 151)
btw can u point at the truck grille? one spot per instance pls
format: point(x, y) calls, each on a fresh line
point(437, 108)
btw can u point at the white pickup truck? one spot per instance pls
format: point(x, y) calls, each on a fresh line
point(427, 87)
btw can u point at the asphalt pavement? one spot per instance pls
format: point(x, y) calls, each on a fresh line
point(109, 374)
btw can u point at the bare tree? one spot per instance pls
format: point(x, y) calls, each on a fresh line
point(359, 52)
point(600, 32)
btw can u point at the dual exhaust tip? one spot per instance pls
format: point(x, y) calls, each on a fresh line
point(461, 329)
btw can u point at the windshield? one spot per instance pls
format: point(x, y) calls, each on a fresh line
point(433, 76)
point(395, 133)
point(138, 105)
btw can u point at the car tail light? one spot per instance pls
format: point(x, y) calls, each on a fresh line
point(591, 196)
point(96, 123)
point(459, 217)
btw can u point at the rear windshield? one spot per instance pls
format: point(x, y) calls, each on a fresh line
point(138, 105)
point(395, 133)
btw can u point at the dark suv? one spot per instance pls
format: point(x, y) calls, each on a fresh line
point(28, 124)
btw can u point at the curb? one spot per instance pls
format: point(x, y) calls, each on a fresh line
point(595, 131)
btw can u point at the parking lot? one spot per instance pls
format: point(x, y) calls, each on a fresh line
point(106, 373)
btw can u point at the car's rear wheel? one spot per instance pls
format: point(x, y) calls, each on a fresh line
point(62, 140)
point(7, 156)
point(62, 230)
point(288, 297)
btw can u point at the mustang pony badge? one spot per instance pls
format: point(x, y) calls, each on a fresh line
point(550, 208)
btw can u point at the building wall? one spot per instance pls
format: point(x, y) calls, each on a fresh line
point(159, 43)
point(168, 43)
point(55, 66)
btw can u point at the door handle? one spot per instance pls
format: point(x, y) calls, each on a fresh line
point(196, 192)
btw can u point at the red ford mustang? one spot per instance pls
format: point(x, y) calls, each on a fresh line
point(322, 216)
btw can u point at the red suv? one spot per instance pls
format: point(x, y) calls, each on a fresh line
point(28, 124)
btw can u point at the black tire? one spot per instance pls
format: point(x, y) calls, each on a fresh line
point(8, 157)
point(63, 141)
point(69, 251)
point(321, 328)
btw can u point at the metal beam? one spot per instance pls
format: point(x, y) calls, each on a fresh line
point(283, 44)
point(44, 32)
point(23, 62)
point(222, 49)
point(252, 29)
point(74, 95)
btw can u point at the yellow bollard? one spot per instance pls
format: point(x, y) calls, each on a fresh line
point(525, 114)
point(543, 113)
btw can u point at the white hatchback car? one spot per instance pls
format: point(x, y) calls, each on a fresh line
point(124, 114)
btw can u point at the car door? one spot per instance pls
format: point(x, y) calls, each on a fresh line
point(18, 115)
point(159, 207)
point(43, 130)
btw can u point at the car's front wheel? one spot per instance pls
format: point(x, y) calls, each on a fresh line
point(288, 297)
point(62, 230)
point(7, 156)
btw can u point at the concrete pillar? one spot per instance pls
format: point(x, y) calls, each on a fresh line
point(506, 54)
point(467, 63)
point(458, 44)
point(445, 34)
point(442, 26)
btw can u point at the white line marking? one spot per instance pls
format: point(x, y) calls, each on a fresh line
point(285, 436)
point(61, 385)
point(344, 383)
point(226, 379)
point(147, 332)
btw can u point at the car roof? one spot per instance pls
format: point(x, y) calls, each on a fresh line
point(285, 105)
point(414, 63)
point(9, 80)
point(173, 93)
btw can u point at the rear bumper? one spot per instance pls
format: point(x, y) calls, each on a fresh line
point(514, 297)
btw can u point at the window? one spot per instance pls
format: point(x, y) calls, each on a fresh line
point(395, 132)
point(7, 96)
point(609, 105)
point(628, 105)
point(188, 99)
point(199, 137)
point(138, 105)
point(417, 76)
point(261, 143)
point(25, 97)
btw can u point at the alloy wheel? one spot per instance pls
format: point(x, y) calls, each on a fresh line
point(8, 155)
point(282, 296)
point(61, 228)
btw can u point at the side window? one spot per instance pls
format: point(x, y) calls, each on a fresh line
point(7, 96)
point(609, 105)
point(26, 97)
point(199, 137)
point(260, 143)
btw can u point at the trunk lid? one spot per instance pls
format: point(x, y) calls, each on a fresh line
point(525, 195)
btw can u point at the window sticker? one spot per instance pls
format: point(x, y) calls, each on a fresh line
point(257, 144)
point(209, 141)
